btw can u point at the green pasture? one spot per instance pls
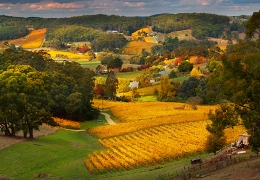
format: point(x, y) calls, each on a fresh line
point(147, 99)
point(126, 75)
point(60, 154)
point(89, 64)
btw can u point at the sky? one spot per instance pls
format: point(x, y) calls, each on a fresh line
point(69, 8)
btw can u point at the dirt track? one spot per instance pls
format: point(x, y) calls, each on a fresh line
point(7, 141)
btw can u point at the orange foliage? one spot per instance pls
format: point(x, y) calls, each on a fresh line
point(197, 59)
point(67, 123)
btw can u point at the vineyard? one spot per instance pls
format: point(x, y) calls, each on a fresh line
point(136, 47)
point(158, 135)
point(56, 54)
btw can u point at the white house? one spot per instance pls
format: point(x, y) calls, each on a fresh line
point(133, 84)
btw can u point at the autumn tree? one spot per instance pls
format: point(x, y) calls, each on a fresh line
point(167, 91)
point(195, 72)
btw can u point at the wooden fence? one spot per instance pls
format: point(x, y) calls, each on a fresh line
point(201, 170)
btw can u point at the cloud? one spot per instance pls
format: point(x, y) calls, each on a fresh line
point(68, 8)
point(53, 5)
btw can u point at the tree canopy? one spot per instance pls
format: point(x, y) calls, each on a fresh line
point(239, 83)
point(35, 88)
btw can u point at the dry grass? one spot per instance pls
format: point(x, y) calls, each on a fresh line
point(184, 34)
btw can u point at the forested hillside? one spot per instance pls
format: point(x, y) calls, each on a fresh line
point(202, 25)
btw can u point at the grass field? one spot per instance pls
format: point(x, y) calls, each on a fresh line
point(59, 154)
point(126, 75)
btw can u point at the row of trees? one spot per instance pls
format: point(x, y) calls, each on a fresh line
point(12, 32)
point(34, 88)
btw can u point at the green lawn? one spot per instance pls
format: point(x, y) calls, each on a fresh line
point(59, 154)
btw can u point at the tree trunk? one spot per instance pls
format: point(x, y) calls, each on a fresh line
point(25, 134)
point(7, 131)
point(30, 132)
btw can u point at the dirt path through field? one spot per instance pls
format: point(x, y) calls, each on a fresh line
point(108, 118)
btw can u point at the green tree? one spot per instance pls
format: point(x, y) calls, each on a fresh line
point(185, 66)
point(239, 82)
point(225, 116)
point(253, 25)
point(111, 85)
point(74, 104)
point(188, 88)
point(28, 102)
point(115, 63)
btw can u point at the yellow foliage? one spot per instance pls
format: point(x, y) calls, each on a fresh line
point(223, 47)
point(195, 72)
point(149, 39)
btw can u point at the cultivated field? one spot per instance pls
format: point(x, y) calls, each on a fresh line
point(150, 133)
point(33, 40)
point(66, 55)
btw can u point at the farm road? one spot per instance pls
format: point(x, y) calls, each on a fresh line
point(109, 120)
